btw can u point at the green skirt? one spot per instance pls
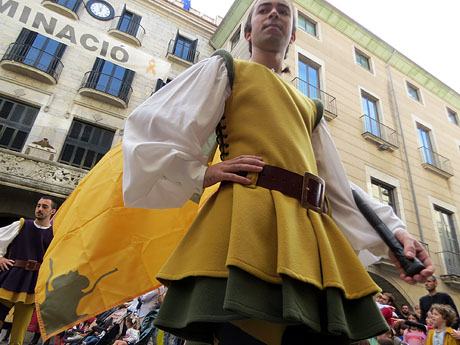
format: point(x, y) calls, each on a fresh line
point(194, 304)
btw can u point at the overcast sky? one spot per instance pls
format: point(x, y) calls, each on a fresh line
point(425, 31)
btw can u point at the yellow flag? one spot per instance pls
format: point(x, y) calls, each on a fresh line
point(103, 253)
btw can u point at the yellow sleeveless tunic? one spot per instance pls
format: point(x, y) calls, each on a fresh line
point(261, 231)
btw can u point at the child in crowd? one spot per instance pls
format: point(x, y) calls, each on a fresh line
point(414, 335)
point(132, 333)
point(442, 317)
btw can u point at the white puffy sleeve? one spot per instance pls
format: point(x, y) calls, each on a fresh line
point(7, 235)
point(345, 213)
point(164, 163)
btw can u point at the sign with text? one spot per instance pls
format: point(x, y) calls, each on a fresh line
point(37, 18)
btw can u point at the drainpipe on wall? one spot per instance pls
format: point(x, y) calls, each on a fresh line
point(409, 173)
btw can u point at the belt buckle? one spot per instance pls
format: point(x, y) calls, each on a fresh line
point(313, 184)
point(31, 265)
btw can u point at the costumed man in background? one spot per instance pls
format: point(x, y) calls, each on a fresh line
point(263, 262)
point(22, 246)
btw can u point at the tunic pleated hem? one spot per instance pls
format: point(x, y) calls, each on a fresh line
point(195, 305)
point(15, 297)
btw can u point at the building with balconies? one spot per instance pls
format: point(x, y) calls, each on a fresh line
point(395, 125)
point(70, 75)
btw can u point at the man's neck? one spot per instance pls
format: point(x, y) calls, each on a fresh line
point(432, 293)
point(270, 60)
point(43, 222)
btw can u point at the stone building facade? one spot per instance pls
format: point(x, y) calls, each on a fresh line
point(396, 127)
point(67, 86)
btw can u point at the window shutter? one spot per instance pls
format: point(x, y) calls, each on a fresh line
point(160, 83)
point(191, 53)
point(175, 41)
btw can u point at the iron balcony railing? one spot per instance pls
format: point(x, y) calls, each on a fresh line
point(435, 159)
point(183, 51)
point(130, 26)
point(379, 130)
point(451, 261)
point(73, 5)
point(108, 84)
point(34, 57)
point(329, 101)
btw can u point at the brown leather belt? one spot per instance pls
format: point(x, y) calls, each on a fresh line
point(28, 265)
point(309, 189)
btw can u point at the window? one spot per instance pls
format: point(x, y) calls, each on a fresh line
point(235, 38)
point(309, 78)
point(449, 241)
point(160, 83)
point(384, 193)
point(307, 24)
point(129, 22)
point(85, 145)
point(70, 4)
point(413, 92)
point(362, 60)
point(16, 120)
point(112, 79)
point(452, 115)
point(38, 51)
point(424, 135)
point(371, 115)
point(185, 48)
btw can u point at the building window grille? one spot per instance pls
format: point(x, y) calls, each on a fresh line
point(16, 121)
point(449, 240)
point(109, 78)
point(307, 24)
point(70, 4)
point(37, 51)
point(362, 60)
point(384, 193)
point(85, 144)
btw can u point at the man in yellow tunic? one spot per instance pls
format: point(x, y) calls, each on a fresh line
point(266, 261)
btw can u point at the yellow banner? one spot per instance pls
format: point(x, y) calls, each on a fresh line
point(103, 253)
point(31, 15)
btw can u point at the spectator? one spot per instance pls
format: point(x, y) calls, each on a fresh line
point(132, 333)
point(443, 316)
point(435, 297)
point(405, 311)
point(414, 335)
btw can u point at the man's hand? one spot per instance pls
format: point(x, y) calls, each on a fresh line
point(226, 170)
point(412, 248)
point(5, 264)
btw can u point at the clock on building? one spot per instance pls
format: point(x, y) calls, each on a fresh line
point(100, 9)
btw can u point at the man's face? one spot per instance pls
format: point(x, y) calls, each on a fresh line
point(385, 300)
point(271, 26)
point(430, 284)
point(405, 309)
point(44, 210)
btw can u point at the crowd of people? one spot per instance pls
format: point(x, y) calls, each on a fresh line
point(434, 321)
point(128, 324)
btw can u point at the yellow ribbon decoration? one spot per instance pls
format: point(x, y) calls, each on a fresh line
point(151, 67)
